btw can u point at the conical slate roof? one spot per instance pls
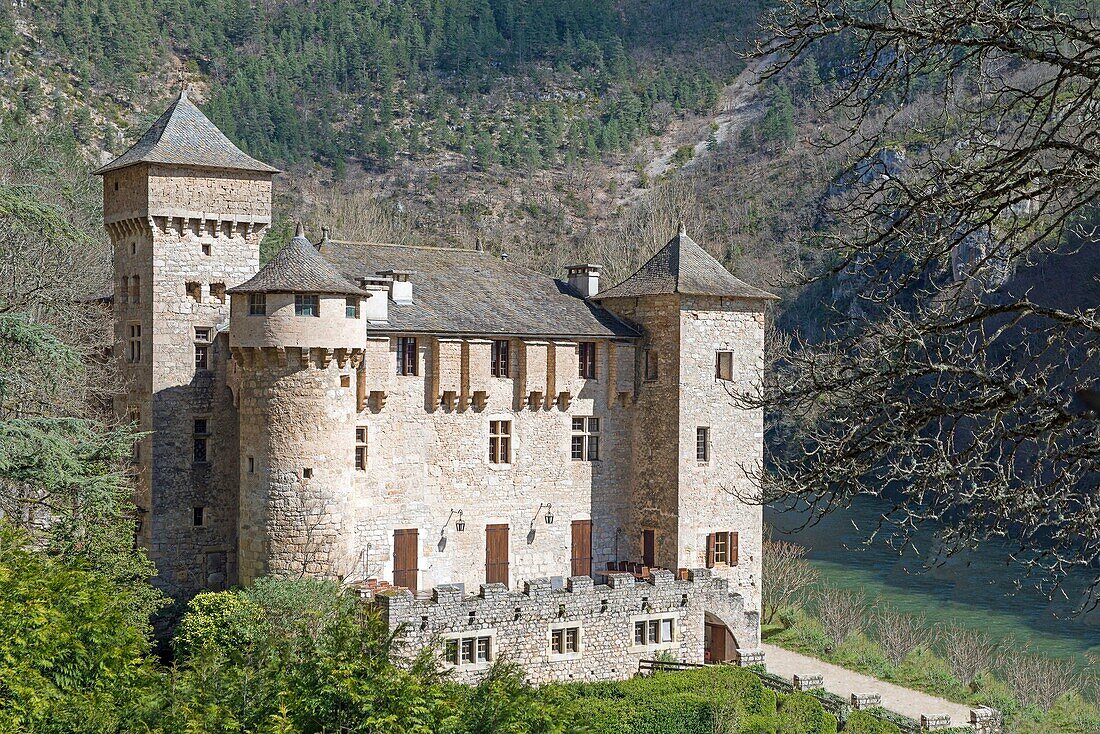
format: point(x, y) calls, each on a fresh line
point(298, 268)
point(183, 135)
point(682, 266)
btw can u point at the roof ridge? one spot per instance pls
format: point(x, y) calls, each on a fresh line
point(410, 247)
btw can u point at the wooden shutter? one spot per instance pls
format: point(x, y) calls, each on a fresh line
point(582, 548)
point(405, 569)
point(732, 545)
point(710, 550)
point(496, 554)
point(649, 548)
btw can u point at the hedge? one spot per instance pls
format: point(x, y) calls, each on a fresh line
point(801, 713)
point(861, 722)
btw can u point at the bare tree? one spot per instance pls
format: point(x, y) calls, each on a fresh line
point(899, 634)
point(842, 612)
point(968, 652)
point(942, 382)
point(786, 576)
point(1038, 680)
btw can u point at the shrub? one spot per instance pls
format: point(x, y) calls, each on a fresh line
point(858, 652)
point(224, 619)
point(756, 725)
point(829, 725)
point(603, 715)
point(861, 722)
point(678, 713)
point(801, 714)
point(841, 612)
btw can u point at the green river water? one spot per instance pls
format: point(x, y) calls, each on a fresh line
point(975, 590)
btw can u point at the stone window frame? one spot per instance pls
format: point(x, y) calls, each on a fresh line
point(702, 444)
point(661, 618)
point(198, 516)
point(723, 365)
point(307, 305)
point(650, 364)
point(200, 435)
point(257, 304)
point(488, 634)
point(501, 442)
point(408, 356)
point(500, 361)
point(587, 358)
point(203, 342)
point(133, 355)
point(361, 443)
point(251, 460)
point(589, 442)
point(563, 627)
point(193, 289)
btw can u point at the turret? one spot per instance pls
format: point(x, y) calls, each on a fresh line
point(297, 335)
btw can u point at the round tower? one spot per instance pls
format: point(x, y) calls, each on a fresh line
point(297, 334)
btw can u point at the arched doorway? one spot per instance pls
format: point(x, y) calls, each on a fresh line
point(719, 644)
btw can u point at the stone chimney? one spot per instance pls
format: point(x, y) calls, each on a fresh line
point(401, 290)
point(376, 306)
point(585, 278)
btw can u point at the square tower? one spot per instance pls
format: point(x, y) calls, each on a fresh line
point(185, 210)
point(703, 339)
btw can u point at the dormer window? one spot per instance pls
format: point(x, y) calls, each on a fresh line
point(307, 305)
point(351, 307)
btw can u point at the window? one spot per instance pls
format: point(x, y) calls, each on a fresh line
point(194, 291)
point(649, 357)
point(586, 360)
point(468, 650)
point(251, 464)
point(361, 448)
point(500, 358)
point(723, 365)
point(702, 444)
point(202, 349)
point(500, 442)
point(135, 289)
point(722, 548)
point(135, 343)
point(307, 305)
point(406, 355)
point(217, 291)
point(307, 472)
point(201, 438)
point(351, 307)
point(565, 640)
point(586, 438)
point(198, 516)
point(133, 247)
point(257, 304)
point(124, 291)
point(206, 248)
point(655, 631)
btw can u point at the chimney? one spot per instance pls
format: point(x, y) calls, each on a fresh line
point(401, 289)
point(585, 278)
point(376, 306)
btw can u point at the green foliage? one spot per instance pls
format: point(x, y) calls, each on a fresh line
point(8, 37)
point(801, 713)
point(859, 652)
point(778, 122)
point(861, 722)
point(70, 658)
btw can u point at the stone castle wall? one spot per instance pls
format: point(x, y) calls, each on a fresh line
point(520, 623)
point(712, 494)
point(185, 258)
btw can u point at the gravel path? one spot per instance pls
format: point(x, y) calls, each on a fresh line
point(844, 682)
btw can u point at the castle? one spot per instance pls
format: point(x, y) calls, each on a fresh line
point(560, 460)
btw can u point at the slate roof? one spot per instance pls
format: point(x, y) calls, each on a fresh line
point(682, 266)
point(184, 135)
point(470, 292)
point(298, 268)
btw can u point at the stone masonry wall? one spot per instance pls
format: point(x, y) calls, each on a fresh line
point(184, 261)
point(519, 623)
point(711, 492)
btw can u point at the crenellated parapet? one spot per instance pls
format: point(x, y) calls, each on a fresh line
point(574, 628)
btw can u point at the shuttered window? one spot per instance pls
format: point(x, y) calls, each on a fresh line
point(405, 566)
point(582, 548)
point(722, 548)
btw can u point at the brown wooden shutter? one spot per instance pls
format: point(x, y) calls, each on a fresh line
point(649, 548)
point(582, 548)
point(405, 569)
point(710, 550)
point(733, 549)
point(496, 554)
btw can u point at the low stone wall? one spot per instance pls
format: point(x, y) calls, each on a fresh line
point(581, 632)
